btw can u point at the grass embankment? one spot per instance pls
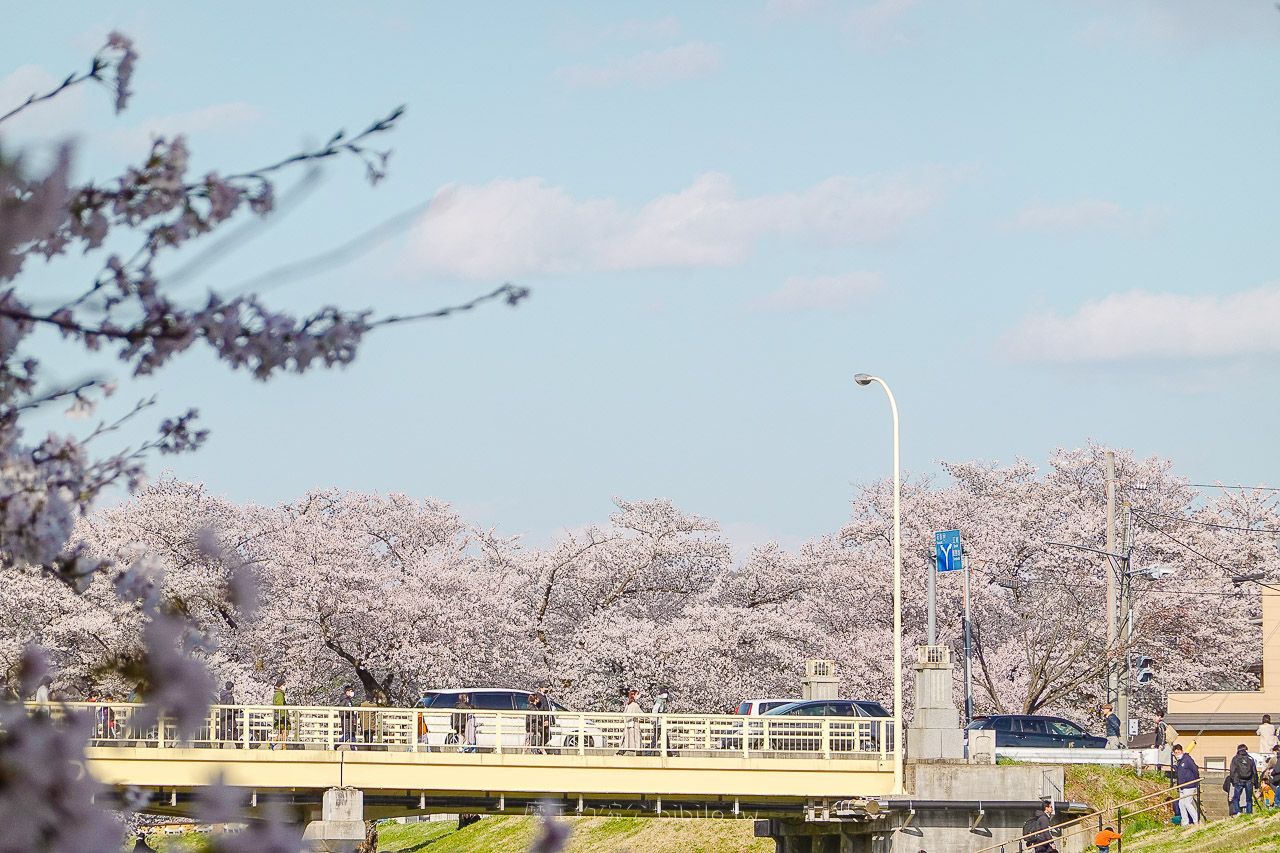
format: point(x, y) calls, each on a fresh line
point(1256, 833)
point(588, 835)
point(1105, 788)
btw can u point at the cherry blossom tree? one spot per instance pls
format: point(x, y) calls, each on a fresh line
point(129, 227)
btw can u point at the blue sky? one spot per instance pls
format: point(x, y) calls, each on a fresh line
point(1042, 223)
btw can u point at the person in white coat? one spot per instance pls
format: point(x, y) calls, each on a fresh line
point(631, 724)
point(1266, 735)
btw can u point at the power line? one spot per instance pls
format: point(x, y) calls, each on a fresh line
point(1242, 487)
point(1205, 523)
point(1176, 541)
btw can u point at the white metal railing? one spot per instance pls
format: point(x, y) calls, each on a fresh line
point(459, 730)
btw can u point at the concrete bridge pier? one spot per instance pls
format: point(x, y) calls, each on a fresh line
point(341, 825)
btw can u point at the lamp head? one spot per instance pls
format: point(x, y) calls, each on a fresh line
point(862, 379)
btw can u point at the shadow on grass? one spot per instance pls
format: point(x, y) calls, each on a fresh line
point(419, 846)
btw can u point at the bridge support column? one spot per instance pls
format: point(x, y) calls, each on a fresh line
point(341, 825)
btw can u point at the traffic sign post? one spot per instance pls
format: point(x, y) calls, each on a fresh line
point(947, 550)
point(949, 557)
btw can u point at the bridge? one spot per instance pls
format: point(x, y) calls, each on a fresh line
point(811, 783)
point(410, 761)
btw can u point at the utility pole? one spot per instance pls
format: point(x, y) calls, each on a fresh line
point(1113, 680)
point(1126, 625)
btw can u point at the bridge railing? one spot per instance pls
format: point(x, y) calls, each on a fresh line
point(460, 730)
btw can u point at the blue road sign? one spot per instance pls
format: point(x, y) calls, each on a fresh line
point(947, 546)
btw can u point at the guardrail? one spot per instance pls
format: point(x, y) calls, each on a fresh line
point(1161, 799)
point(478, 730)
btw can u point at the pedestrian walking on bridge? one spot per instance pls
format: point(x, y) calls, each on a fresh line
point(660, 705)
point(631, 724)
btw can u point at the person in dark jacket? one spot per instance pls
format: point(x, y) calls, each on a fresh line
point(1243, 776)
point(1187, 775)
point(535, 734)
point(1043, 839)
point(1113, 727)
point(347, 719)
point(227, 716)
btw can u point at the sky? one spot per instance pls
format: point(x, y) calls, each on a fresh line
point(1042, 224)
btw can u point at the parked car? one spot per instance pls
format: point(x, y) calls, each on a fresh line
point(847, 735)
point(801, 735)
point(564, 733)
point(1035, 730)
point(751, 707)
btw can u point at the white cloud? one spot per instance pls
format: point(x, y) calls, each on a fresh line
point(1139, 325)
point(224, 118)
point(1088, 215)
point(1195, 23)
point(652, 68)
point(791, 8)
point(522, 227)
point(828, 292)
point(876, 21)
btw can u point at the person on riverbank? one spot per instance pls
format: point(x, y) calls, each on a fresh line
point(1043, 832)
point(1243, 777)
point(1187, 777)
point(1267, 735)
point(1104, 838)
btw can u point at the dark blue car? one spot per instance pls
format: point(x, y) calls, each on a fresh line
point(1034, 730)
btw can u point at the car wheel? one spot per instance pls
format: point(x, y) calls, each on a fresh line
point(571, 742)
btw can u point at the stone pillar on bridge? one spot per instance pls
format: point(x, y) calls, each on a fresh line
point(820, 680)
point(341, 825)
point(935, 731)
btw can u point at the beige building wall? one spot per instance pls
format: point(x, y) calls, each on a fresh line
point(1217, 722)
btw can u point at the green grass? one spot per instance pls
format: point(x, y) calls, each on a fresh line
point(587, 835)
point(1246, 833)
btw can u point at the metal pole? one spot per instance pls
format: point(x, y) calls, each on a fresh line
point(968, 650)
point(863, 379)
point(933, 603)
point(1112, 670)
point(1126, 630)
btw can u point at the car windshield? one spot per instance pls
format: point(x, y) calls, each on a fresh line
point(977, 724)
point(1062, 727)
point(489, 700)
point(872, 709)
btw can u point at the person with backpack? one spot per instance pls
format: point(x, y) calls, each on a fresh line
point(1243, 777)
point(1187, 776)
point(1038, 830)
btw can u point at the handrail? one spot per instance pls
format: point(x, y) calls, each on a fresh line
point(437, 729)
point(1163, 792)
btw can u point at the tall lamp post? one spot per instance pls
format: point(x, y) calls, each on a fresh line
point(864, 379)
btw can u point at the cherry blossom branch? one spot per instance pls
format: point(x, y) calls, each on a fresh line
point(509, 293)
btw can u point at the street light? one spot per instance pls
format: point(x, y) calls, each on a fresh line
point(864, 379)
